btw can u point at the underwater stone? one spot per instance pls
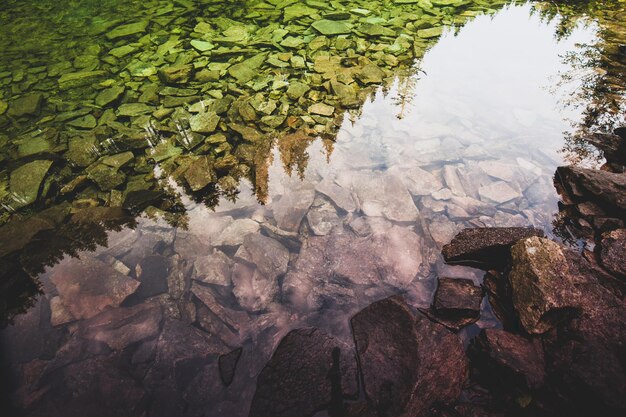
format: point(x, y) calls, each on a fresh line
point(177, 74)
point(430, 32)
point(200, 173)
point(79, 79)
point(133, 109)
point(109, 95)
point(332, 27)
point(127, 30)
point(26, 105)
point(26, 180)
point(296, 90)
point(3, 106)
point(321, 109)
point(370, 74)
point(85, 122)
point(204, 122)
point(246, 70)
point(202, 46)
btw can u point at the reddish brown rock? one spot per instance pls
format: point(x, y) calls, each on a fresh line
point(612, 252)
point(509, 359)
point(87, 286)
point(457, 302)
point(486, 248)
point(408, 363)
point(308, 370)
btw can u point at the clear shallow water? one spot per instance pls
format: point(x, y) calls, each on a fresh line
point(471, 138)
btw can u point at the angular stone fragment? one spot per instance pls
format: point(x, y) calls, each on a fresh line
point(176, 74)
point(88, 286)
point(292, 207)
point(486, 248)
point(121, 327)
point(457, 302)
point(79, 79)
point(322, 109)
point(26, 180)
point(234, 233)
point(332, 27)
point(498, 192)
point(127, 30)
point(213, 269)
point(204, 122)
point(408, 363)
point(247, 70)
point(339, 195)
point(109, 95)
point(384, 194)
point(253, 290)
point(304, 375)
point(200, 173)
point(26, 105)
point(269, 256)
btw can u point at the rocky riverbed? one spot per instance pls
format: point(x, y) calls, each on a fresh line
point(225, 211)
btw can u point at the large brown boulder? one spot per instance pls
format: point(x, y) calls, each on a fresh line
point(612, 251)
point(486, 248)
point(408, 363)
point(457, 302)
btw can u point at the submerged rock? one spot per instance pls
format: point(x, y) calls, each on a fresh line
point(604, 188)
point(308, 371)
point(408, 363)
point(121, 327)
point(486, 247)
point(292, 207)
point(27, 105)
point(88, 286)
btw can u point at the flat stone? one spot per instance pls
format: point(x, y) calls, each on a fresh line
point(204, 122)
point(370, 74)
point(498, 192)
point(418, 181)
point(322, 109)
point(120, 327)
point(109, 95)
point(127, 30)
point(234, 233)
point(457, 302)
point(304, 375)
point(85, 122)
point(234, 318)
point(339, 195)
point(26, 105)
point(176, 74)
point(200, 173)
point(322, 219)
point(88, 286)
point(408, 363)
point(486, 248)
point(270, 257)
point(384, 194)
point(26, 181)
point(213, 269)
point(247, 70)
point(134, 109)
point(292, 207)
point(612, 250)
point(80, 79)
point(332, 27)
point(433, 32)
point(253, 290)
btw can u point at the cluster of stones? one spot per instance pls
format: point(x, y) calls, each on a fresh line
point(201, 95)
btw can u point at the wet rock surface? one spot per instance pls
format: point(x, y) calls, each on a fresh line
point(457, 302)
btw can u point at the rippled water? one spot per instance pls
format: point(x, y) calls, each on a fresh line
point(470, 135)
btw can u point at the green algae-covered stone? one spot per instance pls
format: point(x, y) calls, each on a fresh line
point(26, 181)
point(332, 27)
